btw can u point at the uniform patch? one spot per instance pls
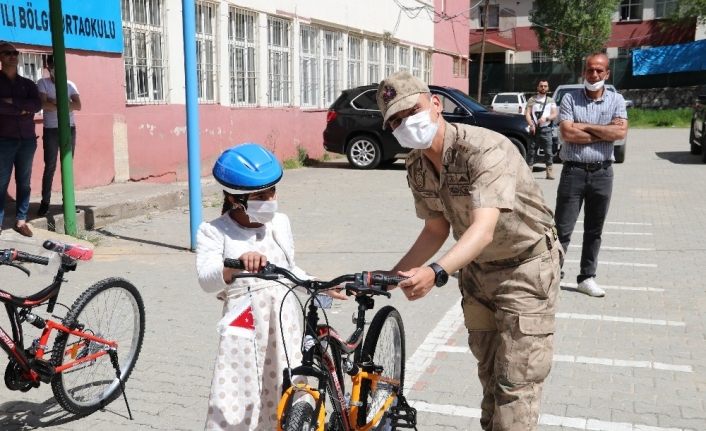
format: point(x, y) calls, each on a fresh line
point(459, 183)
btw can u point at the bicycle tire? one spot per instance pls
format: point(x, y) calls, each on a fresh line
point(384, 345)
point(300, 417)
point(104, 309)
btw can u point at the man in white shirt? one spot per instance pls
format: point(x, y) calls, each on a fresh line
point(47, 93)
point(539, 113)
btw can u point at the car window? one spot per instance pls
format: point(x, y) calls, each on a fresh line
point(449, 105)
point(366, 100)
point(506, 98)
point(467, 100)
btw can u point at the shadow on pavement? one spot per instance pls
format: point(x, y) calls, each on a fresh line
point(110, 234)
point(342, 164)
point(23, 415)
point(680, 157)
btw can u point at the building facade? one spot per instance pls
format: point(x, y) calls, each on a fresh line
point(267, 72)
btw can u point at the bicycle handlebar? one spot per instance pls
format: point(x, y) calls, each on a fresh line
point(10, 255)
point(366, 282)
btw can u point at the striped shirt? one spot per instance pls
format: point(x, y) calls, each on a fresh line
point(576, 106)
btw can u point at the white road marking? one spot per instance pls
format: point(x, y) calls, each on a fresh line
point(622, 233)
point(617, 248)
point(599, 361)
point(624, 223)
point(426, 352)
point(636, 320)
point(544, 419)
point(609, 263)
point(632, 288)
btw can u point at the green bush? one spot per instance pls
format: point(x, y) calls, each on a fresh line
point(639, 117)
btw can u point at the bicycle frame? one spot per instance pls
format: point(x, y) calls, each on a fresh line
point(352, 417)
point(14, 346)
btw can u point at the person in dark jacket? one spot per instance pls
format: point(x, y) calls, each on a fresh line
point(19, 101)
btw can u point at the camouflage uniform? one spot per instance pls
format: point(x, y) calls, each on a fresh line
point(510, 291)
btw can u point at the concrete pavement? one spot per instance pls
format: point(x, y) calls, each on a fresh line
point(630, 361)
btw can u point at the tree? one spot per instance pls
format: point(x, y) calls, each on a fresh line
point(691, 8)
point(571, 29)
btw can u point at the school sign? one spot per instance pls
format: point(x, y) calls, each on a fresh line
point(91, 25)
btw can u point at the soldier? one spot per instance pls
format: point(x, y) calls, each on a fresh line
point(474, 181)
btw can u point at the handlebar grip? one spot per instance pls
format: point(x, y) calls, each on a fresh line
point(31, 258)
point(233, 263)
point(386, 280)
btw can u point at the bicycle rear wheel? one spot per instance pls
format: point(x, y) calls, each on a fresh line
point(300, 418)
point(113, 310)
point(385, 346)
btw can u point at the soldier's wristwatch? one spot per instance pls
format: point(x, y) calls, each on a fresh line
point(440, 274)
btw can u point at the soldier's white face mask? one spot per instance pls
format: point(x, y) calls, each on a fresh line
point(261, 211)
point(416, 131)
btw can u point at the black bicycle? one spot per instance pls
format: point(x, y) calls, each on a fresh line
point(97, 342)
point(374, 362)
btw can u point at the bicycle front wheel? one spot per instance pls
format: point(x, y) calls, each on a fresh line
point(300, 418)
point(111, 309)
point(384, 346)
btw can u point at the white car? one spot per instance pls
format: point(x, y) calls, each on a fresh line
point(511, 103)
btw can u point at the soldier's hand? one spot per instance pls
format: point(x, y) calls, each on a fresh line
point(419, 283)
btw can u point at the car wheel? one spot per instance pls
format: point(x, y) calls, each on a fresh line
point(619, 153)
point(520, 147)
point(363, 152)
point(693, 148)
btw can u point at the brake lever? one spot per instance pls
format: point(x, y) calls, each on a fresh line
point(20, 267)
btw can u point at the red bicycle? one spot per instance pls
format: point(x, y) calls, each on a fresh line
point(97, 342)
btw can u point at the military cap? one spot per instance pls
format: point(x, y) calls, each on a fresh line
point(398, 92)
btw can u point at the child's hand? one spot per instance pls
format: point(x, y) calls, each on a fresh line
point(253, 261)
point(337, 293)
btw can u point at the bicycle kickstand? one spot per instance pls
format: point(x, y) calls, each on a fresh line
point(404, 415)
point(114, 360)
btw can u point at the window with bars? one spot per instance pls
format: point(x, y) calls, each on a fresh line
point(332, 65)
point(373, 61)
point(417, 63)
point(279, 52)
point(540, 57)
point(404, 57)
point(665, 8)
point(390, 59)
point(143, 50)
point(309, 64)
point(630, 10)
point(493, 16)
point(355, 61)
point(242, 56)
point(427, 67)
point(206, 63)
point(460, 67)
point(31, 65)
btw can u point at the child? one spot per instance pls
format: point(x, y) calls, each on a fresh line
point(247, 378)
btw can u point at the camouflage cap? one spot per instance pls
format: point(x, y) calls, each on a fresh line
point(398, 92)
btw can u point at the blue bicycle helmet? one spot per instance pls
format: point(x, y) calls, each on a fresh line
point(247, 168)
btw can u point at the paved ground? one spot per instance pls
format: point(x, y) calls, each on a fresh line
point(630, 361)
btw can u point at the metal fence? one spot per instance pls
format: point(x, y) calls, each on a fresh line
point(498, 77)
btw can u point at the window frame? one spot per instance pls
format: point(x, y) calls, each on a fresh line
point(493, 18)
point(146, 70)
point(243, 82)
point(207, 71)
point(309, 60)
point(403, 60)
point(279, 59)
point(665, 5)
point(355, 61)
point(628, 5)
point(332, 78)
point(374, 63)
point(390, 52)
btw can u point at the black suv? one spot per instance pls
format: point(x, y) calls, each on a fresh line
point(354, 125)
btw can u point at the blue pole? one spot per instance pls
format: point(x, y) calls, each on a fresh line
point(192, 117)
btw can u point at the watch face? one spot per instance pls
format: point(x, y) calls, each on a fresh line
point(441, 278)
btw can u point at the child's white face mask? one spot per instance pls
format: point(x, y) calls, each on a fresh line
point(261, 211)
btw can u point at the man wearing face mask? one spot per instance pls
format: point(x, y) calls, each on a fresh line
point(590, 120)
point(474, 182)
point(47, 92)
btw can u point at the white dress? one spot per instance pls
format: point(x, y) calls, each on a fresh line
point(247, 378)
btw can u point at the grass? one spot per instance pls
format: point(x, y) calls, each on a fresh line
point(646, 118)
point(302, 159)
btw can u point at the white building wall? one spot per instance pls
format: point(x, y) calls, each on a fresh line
point(368, 19)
